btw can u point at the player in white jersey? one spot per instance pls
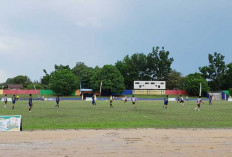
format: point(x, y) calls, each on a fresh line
point(5, 100)
point(125, 99)
point(199, 101)
point(181, 101)
point(133, 99)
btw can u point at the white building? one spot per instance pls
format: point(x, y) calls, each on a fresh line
point(149, 85)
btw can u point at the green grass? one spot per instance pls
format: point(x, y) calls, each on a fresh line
point(148, 114)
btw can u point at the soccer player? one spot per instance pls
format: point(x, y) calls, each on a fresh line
point(17, 98)
point(199, 101)
point(133, 99)
point(57, 101)
point(93, 100)
point(13, 101)
point(210, 100)
point(125, 99)
point(181, 101)
point(5, 100)
point(187, 98)
point(111, 101)
point(178, 99)
point(165, 102)
point(30, 102)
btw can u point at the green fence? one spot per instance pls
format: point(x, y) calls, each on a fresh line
point(50, 92)
point(47, 92)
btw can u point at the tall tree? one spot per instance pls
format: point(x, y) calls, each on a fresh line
point(226, 79)
point(215, 71)
point(20, 79)
point(175, 80)
point(192, 84)
point(133, 68)
point(112, 80)
point(46, 79)
point(61, 67)
point(64, 82)
point(84, 73)
point(159, 64)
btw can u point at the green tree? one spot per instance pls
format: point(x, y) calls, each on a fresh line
point(84, 73)
point(112, 80)
point(133, 68)
point(226, 79)
point(46, 79)
point(192, 84)
point(20, 79)
point(61, 67)
point(159, 64)
point(175, 80)
point(34, 85)
point(215, 71)
point(230, 91)
point(64, 82)
point(8, 81)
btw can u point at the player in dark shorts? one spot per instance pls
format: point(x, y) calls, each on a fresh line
point(181, 101)
point(93, 100)
point(57, 101)
point(178, 99)
point(210, 100)
point(5, 100)
point(199, 101)
point(111, 101)
point(125, 99)
point(13, 101)
point(133, 99)
point(165, 102)
point(30, 102)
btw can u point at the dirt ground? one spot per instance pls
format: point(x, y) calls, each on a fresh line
point(121, 142)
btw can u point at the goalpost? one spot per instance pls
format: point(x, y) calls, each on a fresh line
point(200, 90)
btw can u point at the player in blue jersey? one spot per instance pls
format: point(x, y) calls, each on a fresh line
point(165, 102)
point(30, 102)
point(13, 101)
point(93, 100)
point(57, 102)
point(210, 100)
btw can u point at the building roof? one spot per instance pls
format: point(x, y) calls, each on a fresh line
point(15, 86)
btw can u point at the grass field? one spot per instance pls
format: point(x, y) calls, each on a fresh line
point(147, 114)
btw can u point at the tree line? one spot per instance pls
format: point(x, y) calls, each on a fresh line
point(155, 66)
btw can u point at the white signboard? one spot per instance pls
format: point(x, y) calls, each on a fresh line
point(89, 99)
point(149, 84)
point(8, 99)
point(229, 99)
point(10, 123)
point(171, 99)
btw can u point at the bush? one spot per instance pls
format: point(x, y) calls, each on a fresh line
point(230, 91)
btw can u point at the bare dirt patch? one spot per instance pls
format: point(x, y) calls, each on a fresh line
point(121, 142)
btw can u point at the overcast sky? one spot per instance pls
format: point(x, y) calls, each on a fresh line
point(37, 34)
